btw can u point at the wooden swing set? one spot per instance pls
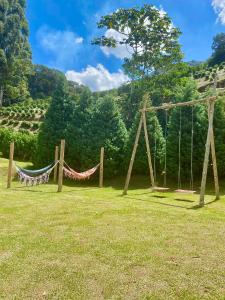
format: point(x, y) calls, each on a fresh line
point(210, 145)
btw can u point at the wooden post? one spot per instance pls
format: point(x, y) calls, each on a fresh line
point(101, 168)
point(213, 151)
point(215, 171)
point(56, 159)
point(207, 152)
point(11, 154)
point(133, 156)
point(148, 149)
point(61, 163)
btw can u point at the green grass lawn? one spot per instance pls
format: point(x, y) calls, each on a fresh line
point(87, 243)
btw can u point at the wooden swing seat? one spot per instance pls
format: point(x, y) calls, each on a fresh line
point(180, 191)
point(160, 189)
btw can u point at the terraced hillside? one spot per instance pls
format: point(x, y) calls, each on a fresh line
point(206, 77)
point(26, 116)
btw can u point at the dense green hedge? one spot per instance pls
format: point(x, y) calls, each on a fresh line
point(25, 144)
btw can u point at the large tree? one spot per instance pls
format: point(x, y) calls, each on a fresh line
point(96, 123)
point(15, 54)
point(218, 47)
point(149, 35)
point(55, 124)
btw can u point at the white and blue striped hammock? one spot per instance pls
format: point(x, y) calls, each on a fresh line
point(35, 177)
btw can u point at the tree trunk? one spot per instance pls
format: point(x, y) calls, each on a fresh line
point(1, 96)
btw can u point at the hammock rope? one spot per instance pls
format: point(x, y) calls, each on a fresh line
point(35, 180)
point(74, 175)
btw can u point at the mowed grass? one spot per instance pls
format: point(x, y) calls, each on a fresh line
point(87, 243)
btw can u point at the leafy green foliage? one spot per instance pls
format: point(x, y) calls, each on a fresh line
point(149, 35)
point(200, 125)
point(96, 123)
point(43, 81)
point(56, 121)
point(15, 54)
point(218, 47)
point(25, 144)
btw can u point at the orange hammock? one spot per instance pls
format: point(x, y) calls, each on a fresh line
point(70, 173)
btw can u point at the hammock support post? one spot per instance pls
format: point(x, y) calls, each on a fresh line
point(11, 155)
point(56, 159)
point(101, 168)
point(61, 163)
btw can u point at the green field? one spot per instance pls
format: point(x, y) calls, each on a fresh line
point(87, 243)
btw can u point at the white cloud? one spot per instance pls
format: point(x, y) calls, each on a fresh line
point(120, 51)
point(219, 7)
point(63, 45)
point(98, 79)
point(79, 40)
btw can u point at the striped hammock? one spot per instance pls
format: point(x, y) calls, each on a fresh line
point(35, 180)
point(32, 173)
point(70, 173)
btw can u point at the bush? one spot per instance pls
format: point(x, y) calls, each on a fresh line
point(25, 144)
point(25, 125)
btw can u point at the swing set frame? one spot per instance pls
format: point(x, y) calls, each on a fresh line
point(209, 147)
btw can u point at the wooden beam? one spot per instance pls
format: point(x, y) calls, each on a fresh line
point(56, 159)
point(207, 152)
point(213, 150)
point(101, 168)
point(61, 163)
point(133, 156)
point(180, 104)
point(214, 162)
point(11, 155)
point(148, 148)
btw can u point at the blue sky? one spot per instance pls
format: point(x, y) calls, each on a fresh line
point(61, 32)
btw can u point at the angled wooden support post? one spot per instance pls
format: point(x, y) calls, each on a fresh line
point(11, 155)
point(101, 168)
point(56, 159)
point(213, 150)
point(207, 153)
point(214, 162)
point(133, 156)
point(148, 145)
point(61, 163)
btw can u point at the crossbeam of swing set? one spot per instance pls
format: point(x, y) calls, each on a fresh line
point(179, 104)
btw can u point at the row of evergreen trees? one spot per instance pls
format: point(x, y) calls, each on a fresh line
point(92, 120)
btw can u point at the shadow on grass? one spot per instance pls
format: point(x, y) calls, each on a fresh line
point(184, 200)
point(156, 202)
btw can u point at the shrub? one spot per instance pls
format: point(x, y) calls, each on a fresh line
point(25, 125)
point(25, 144)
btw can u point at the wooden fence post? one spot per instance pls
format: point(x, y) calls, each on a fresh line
point(11, 154)
point(56, 159)
point(61, 163)
point(101, 170)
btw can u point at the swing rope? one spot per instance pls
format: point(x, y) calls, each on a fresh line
point(192, 147)
point(179, 190)
point(165, 157)
point(155, 150)
point(179, 153)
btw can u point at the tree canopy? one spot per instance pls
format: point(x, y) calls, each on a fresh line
point(15, 54)
point(218, 47)
point(149, 36)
